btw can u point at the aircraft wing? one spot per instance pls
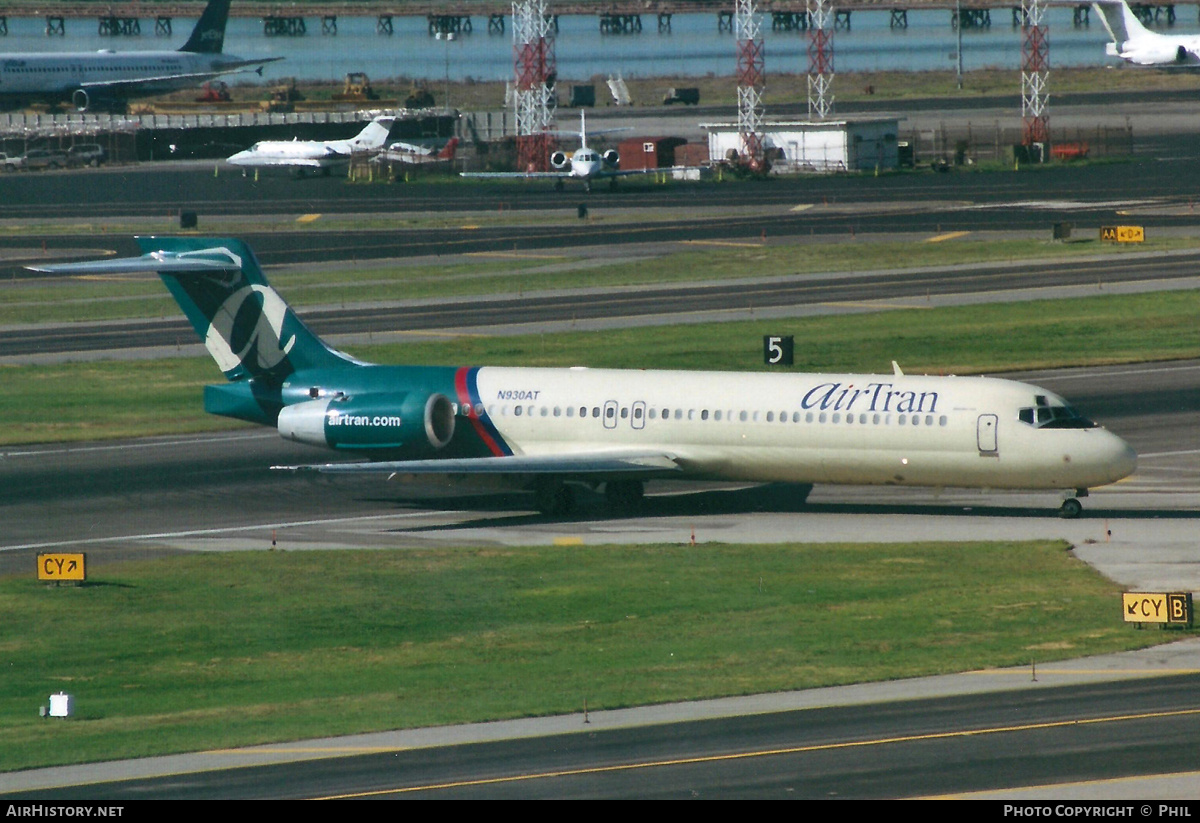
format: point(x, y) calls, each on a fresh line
point(155, 262)
point(580, 464)
point(290, 162)
point(518, 175)
point(223, 68)
point(628, 172)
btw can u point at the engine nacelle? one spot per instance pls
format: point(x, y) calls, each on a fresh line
point(80, 100)
point(1159, 55)
point(412, 424)
point(611, 158)
point(560, 160)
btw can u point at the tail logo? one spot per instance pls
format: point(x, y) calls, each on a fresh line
point(249, 333)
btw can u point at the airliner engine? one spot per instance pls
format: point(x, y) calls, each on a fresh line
point(409, 424)
point(560, 160)
point(1158, 55)
point(611, 158)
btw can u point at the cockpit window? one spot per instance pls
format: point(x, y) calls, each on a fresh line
point(1054, 417)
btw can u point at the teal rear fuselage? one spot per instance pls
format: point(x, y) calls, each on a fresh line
point(384, 412)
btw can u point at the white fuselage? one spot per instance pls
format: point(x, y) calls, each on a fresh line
point(587, 164)
point(148, 72)
point(316, 154)
point(807, 428)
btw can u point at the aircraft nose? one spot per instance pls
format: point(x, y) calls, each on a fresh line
point(1118, 457)
point(1126, 460)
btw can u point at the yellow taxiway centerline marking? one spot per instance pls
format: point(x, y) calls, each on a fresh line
point(308, 218)
point(948, 236)
point(684, 761)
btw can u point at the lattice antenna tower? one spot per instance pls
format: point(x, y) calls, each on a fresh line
point(752, 76)
point(1035, 71)
point(533, 93)
point(820, 58)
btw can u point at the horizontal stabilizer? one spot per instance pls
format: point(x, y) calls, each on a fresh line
point(587, 464)
point(155, 262)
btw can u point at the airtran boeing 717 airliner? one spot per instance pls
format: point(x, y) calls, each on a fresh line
point(546, 430)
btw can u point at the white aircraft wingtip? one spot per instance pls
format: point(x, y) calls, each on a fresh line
point(896, 369)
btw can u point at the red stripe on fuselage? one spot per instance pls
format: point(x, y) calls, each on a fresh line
point(463, 389)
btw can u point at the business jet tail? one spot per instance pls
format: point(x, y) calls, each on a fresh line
point(374, 136)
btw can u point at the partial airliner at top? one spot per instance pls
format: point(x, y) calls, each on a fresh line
point(109, 79)
point(1137, 45)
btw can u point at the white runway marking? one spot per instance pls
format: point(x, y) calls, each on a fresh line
point(205, 532)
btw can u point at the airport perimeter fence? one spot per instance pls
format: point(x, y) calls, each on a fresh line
point(129, 138)
point(970, 144)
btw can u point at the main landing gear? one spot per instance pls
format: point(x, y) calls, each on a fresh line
point(555, 498)
point(624, 495)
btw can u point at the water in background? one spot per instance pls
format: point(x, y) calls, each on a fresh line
point(693, 47)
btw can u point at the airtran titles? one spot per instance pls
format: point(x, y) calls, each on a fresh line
point(873, 397)
point(834, 396)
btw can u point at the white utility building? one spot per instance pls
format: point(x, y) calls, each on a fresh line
point(821, 146)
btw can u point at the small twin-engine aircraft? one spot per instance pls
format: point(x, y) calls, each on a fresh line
point(584, 164)
point(415, 154)
point(546, 430)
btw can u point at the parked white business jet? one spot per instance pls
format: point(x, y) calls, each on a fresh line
point(1134, 43)
point(91, 79)
point(584, 164)
point(546, 430)
point(321, 156)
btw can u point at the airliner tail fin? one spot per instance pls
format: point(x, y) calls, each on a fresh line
point(209, 35)
point(246, 326)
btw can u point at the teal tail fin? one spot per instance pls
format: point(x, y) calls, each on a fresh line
point(246, 326)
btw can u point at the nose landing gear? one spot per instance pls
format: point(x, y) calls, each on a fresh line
point(1071, 507)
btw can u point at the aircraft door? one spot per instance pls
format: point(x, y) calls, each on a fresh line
point(637, 417)
point(986, 433)
point(610, 414)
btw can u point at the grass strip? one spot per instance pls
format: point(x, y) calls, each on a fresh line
point(95, 299)
point(219, 649)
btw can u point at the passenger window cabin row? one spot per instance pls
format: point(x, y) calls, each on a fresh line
point(638, 414)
